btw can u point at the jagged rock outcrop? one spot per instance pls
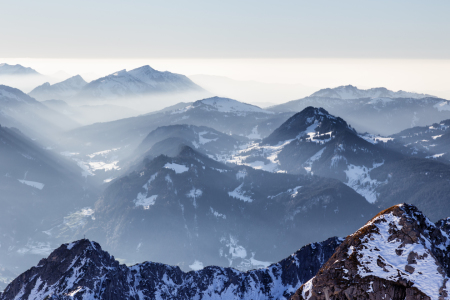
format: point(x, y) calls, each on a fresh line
point(82, 270)
point(399, 254)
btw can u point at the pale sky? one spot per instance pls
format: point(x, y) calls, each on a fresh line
point(322, 43)
point(225, 29)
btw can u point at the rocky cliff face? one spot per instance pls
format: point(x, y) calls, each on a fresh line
point(399, 254)
point(82, 270)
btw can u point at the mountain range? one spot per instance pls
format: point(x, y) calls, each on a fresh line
point(314, 141)
point(398, 254)
point(134, 83)
point(221, 114)
point(214, 182)
point(201, 210)
point(352, 92)
point(82, 270)
point(378, 111)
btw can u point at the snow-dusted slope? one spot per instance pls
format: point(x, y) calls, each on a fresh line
point(352, 92)
point(432, 142)
point(229, 105)
point(399, 254)
point(60, 90)
point(6, 69)
point(82, 270)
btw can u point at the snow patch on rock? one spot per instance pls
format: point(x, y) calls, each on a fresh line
point(176, 167)
point(238, 193)
point(358, 178)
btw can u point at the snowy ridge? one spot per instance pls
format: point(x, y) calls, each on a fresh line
point(81, 270)
point(352, 92)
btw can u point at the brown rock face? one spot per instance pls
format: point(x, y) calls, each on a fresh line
point(399, 254)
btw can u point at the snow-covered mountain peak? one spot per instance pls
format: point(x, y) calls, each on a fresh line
point(352, 92)
point(227, 105)
point(312, 120)
point(399, 250)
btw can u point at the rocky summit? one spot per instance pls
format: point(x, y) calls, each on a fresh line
point(399, 254)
